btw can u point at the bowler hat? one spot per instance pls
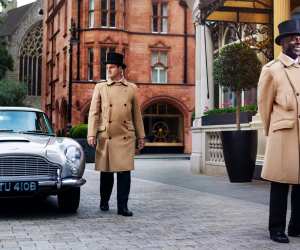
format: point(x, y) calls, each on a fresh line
point(115, 58)
point(288, 28)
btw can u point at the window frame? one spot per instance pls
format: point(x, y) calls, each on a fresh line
point(90, 64)
point(108, 12)
point(91, 14)
point(160, 66)
point(160, 17)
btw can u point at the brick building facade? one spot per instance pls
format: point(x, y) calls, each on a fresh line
point(158, 42)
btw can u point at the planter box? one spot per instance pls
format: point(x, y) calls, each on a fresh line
point(226, 118)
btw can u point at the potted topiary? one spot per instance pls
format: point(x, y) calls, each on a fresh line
point(79, 133)
point(238, 68)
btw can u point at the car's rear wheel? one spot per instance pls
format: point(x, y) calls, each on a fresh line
point(68, 200)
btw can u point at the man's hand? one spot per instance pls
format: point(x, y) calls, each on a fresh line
point(92, 141)
point(141, 143)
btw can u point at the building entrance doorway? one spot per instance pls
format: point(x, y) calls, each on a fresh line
point(163, 124)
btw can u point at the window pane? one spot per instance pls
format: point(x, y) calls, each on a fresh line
point(90, 63)
point(155, 9)
point(34, 65)
point(164, 25)
point(154, 58)
point(112, 5)
point(164, 58)
point(29, 74)
point(163, 76)
point(21, 69)
point(91, 19)
point(92, 5)
point(154, 75)
point(39, 80)
point(103, 72)
point(164, 9)
point(154, 24)
point(104, 18)
point(112, 21)
point(103, 4)
point(103, 54)
point(103, 51)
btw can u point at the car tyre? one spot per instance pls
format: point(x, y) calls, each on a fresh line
point(68, 200)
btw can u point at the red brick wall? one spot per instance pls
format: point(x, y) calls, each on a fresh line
point(137, 40)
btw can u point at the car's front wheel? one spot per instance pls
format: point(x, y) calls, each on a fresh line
point(68, 200)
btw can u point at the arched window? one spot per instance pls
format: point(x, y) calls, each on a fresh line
point(163, 125)
point(30, 70)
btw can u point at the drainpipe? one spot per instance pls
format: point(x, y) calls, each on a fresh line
point(78, 39)
point(184, 5)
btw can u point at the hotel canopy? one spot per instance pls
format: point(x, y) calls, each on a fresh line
point(239, 11)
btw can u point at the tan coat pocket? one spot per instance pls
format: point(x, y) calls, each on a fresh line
point(283, 124)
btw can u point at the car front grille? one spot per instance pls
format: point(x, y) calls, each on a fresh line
point(27, 165)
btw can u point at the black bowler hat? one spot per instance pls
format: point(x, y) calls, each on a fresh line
point(115, 58)
point(288, 28)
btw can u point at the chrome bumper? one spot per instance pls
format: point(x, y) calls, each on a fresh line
point(70, 182)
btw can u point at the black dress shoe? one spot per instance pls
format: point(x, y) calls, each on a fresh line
point(104, 206)
point(125, 212)
point(279, 237)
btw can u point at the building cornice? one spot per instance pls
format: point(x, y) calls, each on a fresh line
point(135, 32)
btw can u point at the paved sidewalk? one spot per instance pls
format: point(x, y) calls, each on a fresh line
point(165, 217)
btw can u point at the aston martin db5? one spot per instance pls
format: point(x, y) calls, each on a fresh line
point(34, 162)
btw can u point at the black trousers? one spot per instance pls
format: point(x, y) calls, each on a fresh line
point(278, 207)
point(123, 187)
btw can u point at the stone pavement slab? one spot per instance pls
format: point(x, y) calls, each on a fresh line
point(165, 217)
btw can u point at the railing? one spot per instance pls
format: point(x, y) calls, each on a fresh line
point(214, 148)
point(207, 151)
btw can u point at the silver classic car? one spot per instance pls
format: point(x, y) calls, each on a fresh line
point(33, 161)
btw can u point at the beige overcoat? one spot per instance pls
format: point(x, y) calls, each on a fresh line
point(116, 121)
point(279, 108)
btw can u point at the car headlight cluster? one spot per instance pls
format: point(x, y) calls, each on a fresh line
point(73, 155)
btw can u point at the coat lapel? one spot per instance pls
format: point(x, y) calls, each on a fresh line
point(292, 71)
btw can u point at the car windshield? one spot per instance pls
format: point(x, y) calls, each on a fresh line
point(30, 122)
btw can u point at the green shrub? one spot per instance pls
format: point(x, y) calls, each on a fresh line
point(12, 93)
point(246, 108)
point(79, 131)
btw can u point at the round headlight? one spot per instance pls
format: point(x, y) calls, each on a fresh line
point(73, 155)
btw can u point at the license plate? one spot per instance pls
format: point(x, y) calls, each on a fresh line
point(18, 187)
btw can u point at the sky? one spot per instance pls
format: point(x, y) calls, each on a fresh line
point(23, 2)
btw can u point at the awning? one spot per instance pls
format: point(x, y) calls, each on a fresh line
point(241, 11)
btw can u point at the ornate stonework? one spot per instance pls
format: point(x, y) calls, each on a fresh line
point(31, 19)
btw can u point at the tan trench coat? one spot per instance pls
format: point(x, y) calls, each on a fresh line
point(279, 108)
point(116, 121)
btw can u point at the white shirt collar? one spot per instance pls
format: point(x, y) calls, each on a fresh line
point(294, 60)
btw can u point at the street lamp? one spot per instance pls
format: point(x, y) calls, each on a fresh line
point(73, 41)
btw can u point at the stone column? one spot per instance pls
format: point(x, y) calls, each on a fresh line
point(204, 89)
point(282, 12)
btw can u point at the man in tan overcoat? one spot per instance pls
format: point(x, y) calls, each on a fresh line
point(115, 128)
point(279, 108)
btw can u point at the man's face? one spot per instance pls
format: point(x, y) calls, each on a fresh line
point(114, 71)
point(291, 46)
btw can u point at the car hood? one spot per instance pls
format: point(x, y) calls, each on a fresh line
point(23, 143)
